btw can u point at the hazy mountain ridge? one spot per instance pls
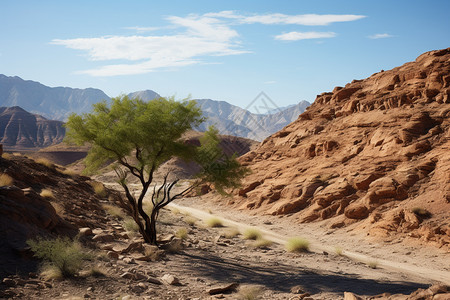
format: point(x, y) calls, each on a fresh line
point(58, 103)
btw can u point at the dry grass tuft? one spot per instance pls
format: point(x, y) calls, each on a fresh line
point(262, 243)
point(181, 233)
point(190, 220)
point(97, 272)
point(249, 292)
point(113, 210)
point(99, 189)
point(48, 194)
point(372, 264)
point(252, 234)
point(51, 272)
point(7, 155)
point(45, 162)
point(231, 233)
point(339, 251)
point(214, 222)
point(130, 225)
point(6, 180)
point(296, 244)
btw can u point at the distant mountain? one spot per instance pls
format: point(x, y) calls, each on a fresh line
point(58, 103)
point(233, 120)
point(54, 103)
point(21, 129)
point(146, 95)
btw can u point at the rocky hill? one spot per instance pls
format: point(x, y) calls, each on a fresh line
point(373, 155)
point(233, 120)
point(20, 129)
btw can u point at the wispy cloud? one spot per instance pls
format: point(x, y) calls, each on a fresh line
point(140, 29)
point(195, 37)
point(270, 82)
point(271, 19)
point(296, 36)
point(380, 36)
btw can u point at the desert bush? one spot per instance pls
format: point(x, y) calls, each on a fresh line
point(190, 220)
point(252, 234)
point(339, 251)
point(99, 188)
point(372, 264)
point(66, 255)
point(296, 244)
point(46, 193)
point(249, 292)
point(181, 233)
point(6, 180)
point(262, 243)
point(45, 162)
point(7, 155)
point(231, 233)
point(214, 222)
point(113, 210)
point(421, 212)
point(130, 225)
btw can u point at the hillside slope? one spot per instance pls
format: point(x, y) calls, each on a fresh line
point(375, 153)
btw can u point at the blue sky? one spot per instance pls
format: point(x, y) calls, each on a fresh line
point(222, 50)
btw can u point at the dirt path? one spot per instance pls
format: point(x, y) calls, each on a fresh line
point(425, 273)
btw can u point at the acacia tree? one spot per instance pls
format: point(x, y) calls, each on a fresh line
point(139, 136)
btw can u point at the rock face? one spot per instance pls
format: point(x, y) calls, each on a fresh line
point(21, 129)
point(369, 152)
point(236, 121)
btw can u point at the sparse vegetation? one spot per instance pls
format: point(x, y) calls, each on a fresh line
point(7, 155)
point(96, 271)
point(99, 188)
point(51, 272)
point(46, 193)
point(262, 243)
point(249, 292)
point(214, 222)
point(190, 220)
point(231, 233)
point(113, 210)
point(297, 244)
point(181, 233)
point(252, 234)
point(45, 162)
point(66, 255)
point(421, 212)
point(339, 251)
point(130, 226)
point(69, 172)
point(6, 180)
point(372, 264)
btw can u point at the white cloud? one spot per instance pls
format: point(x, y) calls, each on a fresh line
point(270, 82)
point(197, 37)
point(271, 19)
point(140, 29)
point(380, 36)
point(295, 35)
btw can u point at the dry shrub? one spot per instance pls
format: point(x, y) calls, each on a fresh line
point(99, 188)
point(190, 220)
point(46, 193)
point(7, 155)
point(250, 292)
point(214, 222)
point(262, 243)
point(181, 233)
point(113, 210)
point(296, 244)
point(45, 162)
point(6, 180)
point(252, 234)
point(231, 233)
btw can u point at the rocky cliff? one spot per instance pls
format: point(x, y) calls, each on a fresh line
point(374, 154)
point(21, 129)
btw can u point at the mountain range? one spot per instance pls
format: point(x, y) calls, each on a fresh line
point(58, 103)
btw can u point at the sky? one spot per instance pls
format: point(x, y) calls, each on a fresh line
point(222, 50)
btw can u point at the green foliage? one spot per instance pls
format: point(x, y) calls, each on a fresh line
point(66, 255)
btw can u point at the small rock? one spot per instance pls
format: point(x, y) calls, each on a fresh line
point(351, 296)
point(129, 260)
point(90, 289)
point(113, 255)
point(9, 282)
point(170, 279)
point(128, 275)
point(153, 280)
point(127, 297)
point(140, 276)
point(86, 296)
point(297, 289)
point(222, 289)
point(103, 238)
point(85, 231)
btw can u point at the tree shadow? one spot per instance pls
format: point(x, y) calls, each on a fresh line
point(280, 276)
